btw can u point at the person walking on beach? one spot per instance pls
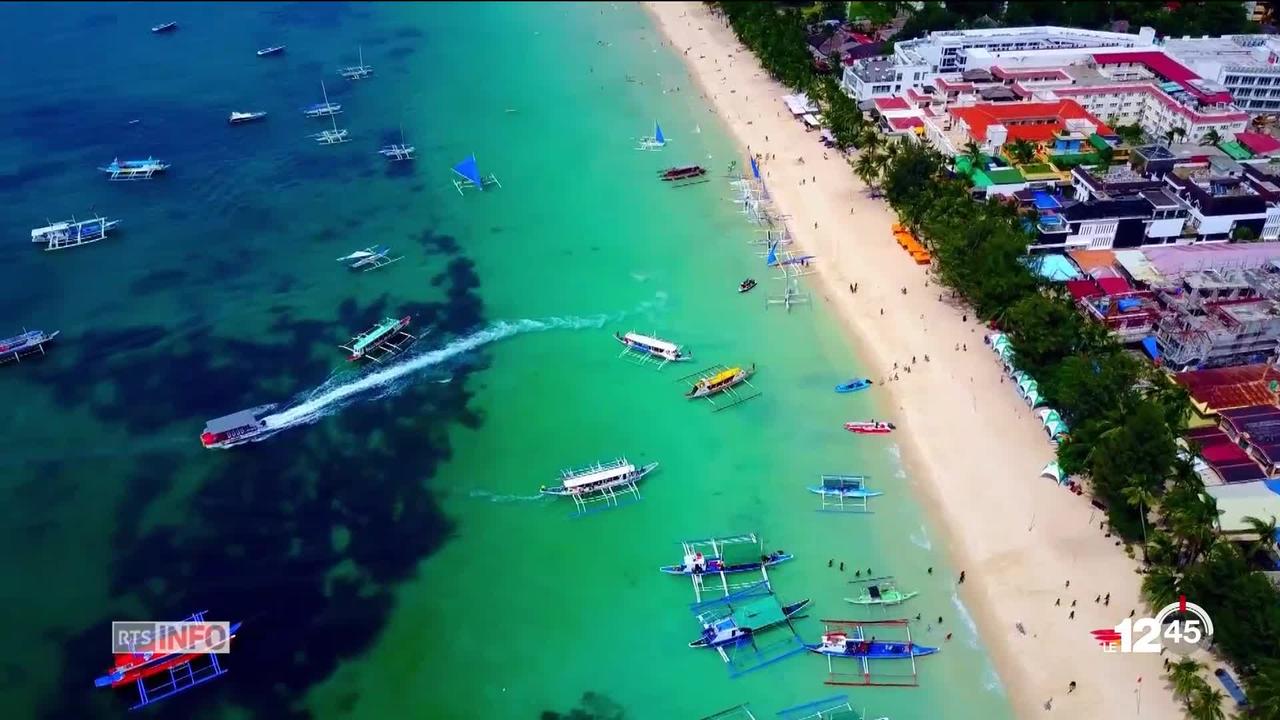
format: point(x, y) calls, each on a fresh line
point(1068, 584)
point(1071, 687)
point(926, 357)
point(1072, 616)
point(1057, 603)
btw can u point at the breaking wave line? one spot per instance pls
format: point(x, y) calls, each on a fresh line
point(334, 393)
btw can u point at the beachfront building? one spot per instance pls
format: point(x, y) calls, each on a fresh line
point(917, 63)
point(1246, 65)
point(1220, 318)
point(1226, 199)
point(1111, 208)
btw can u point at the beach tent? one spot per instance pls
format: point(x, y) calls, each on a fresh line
point(1053, 422)
point(1034, 398)
point(1018, 377)
point(1027, 385)
point(1054, 472)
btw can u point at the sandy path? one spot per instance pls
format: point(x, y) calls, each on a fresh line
point(972, 447)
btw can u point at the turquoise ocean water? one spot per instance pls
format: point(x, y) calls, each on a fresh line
point(391, 558)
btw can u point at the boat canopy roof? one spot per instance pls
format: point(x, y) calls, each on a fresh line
point(652, 342)
point(376, 335)
point(598, 476)
point(232, 421)
point(722, 376)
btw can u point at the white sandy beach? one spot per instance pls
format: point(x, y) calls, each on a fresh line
point(972, 447)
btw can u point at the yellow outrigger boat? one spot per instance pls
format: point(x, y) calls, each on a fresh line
point(720, 379)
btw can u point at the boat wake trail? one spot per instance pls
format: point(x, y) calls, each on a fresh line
point(340, 390)
point(497, 498)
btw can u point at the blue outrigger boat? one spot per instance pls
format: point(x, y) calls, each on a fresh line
point(163, 674)
point(847, 639)
point(854, 385)
point(134, 169)
point(845, 486)
point(30, 342)
point(695, 563)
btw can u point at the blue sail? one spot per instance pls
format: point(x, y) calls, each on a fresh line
point(657, 134)
point(773, 255)
point(755, 169)
point(470, 170)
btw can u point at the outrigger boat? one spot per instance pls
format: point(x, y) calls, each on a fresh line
point(160, 675)
point(736, 626)
point(396, 152)
point(30, 342)
point(370, 258)
point(244, 117)
point(714, 559)
point(334, 136)
point(273, 50)
point(747, 619)
point(357, 72)
point(873, 427)
point(720, 382)
point(656, 142)
point(383, 340)
point(648, 347)
point(853, 385)
point(746, 285)
point(134, 169)
point(880, 591)
point(165, 27)
point(600, 482)
point(847, 639)
point(70, 233)
point(844, 493)
point(236, 428)
point(324, 109)
point(836, 707)
point(470, 177)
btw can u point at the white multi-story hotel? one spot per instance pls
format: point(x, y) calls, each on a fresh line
point(917, 63)
point(1247, 65)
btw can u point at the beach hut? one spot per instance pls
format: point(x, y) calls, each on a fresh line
point(1054, 425)
point(1034, 399)
point(1017, 376)
point(1027, 385)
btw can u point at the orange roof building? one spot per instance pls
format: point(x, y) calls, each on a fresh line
point(1031, 121)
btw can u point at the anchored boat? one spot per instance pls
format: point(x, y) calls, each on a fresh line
point(845, 486)
point(370, 258)
point(656, 142)
point(30, 342)
point(873, 427)
point(357, 72)
point(70, 233)
point(746, 285)
point(236, 428)
point(683, 174)
point(848, 639)
point(383, 340)
point(244, 117)
point(854, 385)
point(720, 382)
point(134, 169)
point(839, 643)
point(880, 591)
point(600, 482)
point(695, 563)
point(746, 619)
point(336, 135)
point(273, 50)
point(160, 674)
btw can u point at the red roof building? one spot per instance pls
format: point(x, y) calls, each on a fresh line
point(1031, 121)
point(1257, 143)
point(1230, 387)
point(1164, 67)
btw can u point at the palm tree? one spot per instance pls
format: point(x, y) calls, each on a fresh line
point(1207, 704)
point(1264, 691)
point(1266, 530)
point(1141, 498)
point(1168, 137)
point(1160, 585)
point(1022, 151)
point(868, 166)
point(974, 153)
point(1211, 138)
point(1184, 675)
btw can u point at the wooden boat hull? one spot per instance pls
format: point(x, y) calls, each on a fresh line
point(701, 391)
point(893, 598)
point(874, 650)
point(847, 492)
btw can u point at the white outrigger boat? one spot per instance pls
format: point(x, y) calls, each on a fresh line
point(243, 117)
point(70, 233)
point(646, 348)
point(133, 169)
point(357, 72)
point(880, 591)
point(600, 482)
point(336, 135)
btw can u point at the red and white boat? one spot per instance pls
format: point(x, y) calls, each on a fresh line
point(873, 427)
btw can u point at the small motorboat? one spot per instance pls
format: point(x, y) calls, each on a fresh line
point(696, 564)
point(165, 27)
point(244, 117)
point(881, 591)
point(746, 285)
point(873, 427)
point(236, 428)
point(273, 50)
point(854, 385)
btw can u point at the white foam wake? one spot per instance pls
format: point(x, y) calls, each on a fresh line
point(337, 391)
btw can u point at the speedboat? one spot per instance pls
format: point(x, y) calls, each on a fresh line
point(854, 385)
point(696, 564)
point(273, 50)
point(746, 285)
point(165, 27)
point(236, 428)
point(841, 644)
point(243, 117)
point(873, 427)
point(727, 631)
